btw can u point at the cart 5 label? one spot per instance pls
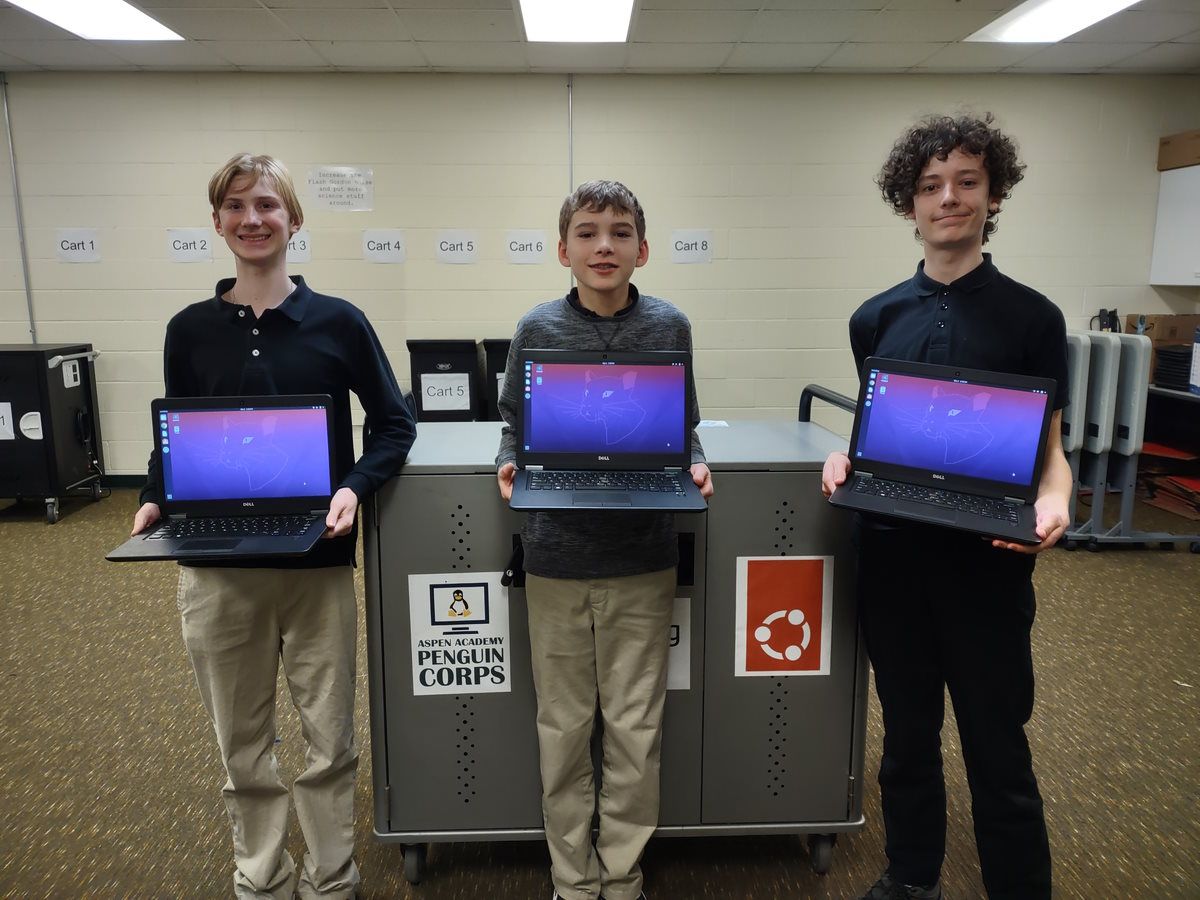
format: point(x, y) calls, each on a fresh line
point(784, 615)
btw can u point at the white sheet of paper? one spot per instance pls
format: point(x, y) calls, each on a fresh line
point(445, 390)
point(300, 247)
point(189, 245)
point(7, 431)
point(457, 247)
point(526, 247)
point(384, 245)
point(679, 656)
point(691, 245)
point(77, 245)
point(342, 188)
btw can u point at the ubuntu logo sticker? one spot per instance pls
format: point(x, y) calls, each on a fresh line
point(784, 615)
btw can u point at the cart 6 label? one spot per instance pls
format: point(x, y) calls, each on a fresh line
point(784, 615)
point(459, 627)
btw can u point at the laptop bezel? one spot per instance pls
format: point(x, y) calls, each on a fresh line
point(267, 506)
point(950, 480)
point(632, 462)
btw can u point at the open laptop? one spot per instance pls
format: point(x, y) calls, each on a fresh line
point(239, 477)
point(605, 430)
point(949, 446)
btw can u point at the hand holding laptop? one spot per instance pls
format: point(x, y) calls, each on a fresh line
point(342, 509)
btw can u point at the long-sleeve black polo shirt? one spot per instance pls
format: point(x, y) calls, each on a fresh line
point(309, 344)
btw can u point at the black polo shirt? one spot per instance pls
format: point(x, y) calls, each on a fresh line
point(309, 344)
point(983, 320)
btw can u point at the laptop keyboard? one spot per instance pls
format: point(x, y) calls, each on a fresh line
point(235, 526)
point(972, 503)
point(654, 482)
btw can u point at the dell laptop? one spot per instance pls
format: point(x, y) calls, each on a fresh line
point(239, 478)
point(605, 430)
point(948, 446)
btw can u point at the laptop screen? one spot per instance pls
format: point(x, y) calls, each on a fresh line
point(244, 453)
point(951, 426)
point(605, 407)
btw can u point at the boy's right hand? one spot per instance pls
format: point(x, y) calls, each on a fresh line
point(145, 517)
point(504, 478)
point(835, 472)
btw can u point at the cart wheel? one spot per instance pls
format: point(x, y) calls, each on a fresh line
point(1093, 546)
point(820, 851)
point(414, 863)
point(51, 510)
point(1166, 545)
point(1070, 544)
point(97, 491)
point(1194, 546)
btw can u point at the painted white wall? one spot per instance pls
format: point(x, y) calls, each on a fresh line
point(780, 168)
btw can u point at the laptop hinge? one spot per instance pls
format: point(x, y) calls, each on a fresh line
point(318, 512)
point(672, 468)
point(533, 468)
point(177, 516)
point(1019, 501)
point(861, 474)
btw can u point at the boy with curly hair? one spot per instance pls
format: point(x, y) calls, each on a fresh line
point(943, 609)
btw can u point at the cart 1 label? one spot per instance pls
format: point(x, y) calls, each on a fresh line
point(459, 627)
point(7, 432)
point(679, 656)
point(784, 615)
point(77, 245)
point(445, 391)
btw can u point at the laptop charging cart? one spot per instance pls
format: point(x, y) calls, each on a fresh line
point(453, 736)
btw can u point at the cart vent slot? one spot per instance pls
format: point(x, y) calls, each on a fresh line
point(464, 749)
point(777, 728)
point(785, 528)
point(459, 538)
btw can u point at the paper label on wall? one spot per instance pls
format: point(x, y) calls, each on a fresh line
point(526, 247)
point(345, 188)
point(679, 656)
point(77, 245)
point(300, 247)
point(457, 247)
point(459, 628)
point(189, 245)
point(7, 432)
point(784, 609)
point(384, 245)
point(691, 245)
point(445, 390)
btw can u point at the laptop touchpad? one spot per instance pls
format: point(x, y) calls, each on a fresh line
point(215, 545)
point(926, 512)
point(601, 498)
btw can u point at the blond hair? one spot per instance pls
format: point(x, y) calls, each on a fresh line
point(260, 168)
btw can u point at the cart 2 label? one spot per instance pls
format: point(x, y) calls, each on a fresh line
point(459, 628)
point(784, 615)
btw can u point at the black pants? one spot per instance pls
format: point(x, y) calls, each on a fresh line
point(944, 609)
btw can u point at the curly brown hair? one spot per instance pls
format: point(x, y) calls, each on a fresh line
point(939, 136)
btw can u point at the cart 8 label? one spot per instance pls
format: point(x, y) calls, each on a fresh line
point(459, 628)
point(784, 615)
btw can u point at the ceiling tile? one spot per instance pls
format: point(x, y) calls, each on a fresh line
point(461, 25)
point(468, 55)
point(645, 5)
point(1077, 57)
point(778, 57)
point(72, 54)
point(826, 4)
point(678, 57)
point(927, 27)
point(225, 24)
point(195, 4)
point(1164, 58)
point(13, 64)
point(268, 54)
point(339, 25)
point(371, 54)
point(1169, 5)
point(1193, 38)
point(817, 27)
point(454, 4)
point(979, 57)
point(577, 57)
point(319, 4)
point(168, 54)
point(18, 25)
point(995, 7)
point(700, 26)
point(881, 56)
point(1136, 26)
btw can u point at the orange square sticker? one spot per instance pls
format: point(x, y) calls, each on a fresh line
point(784, 615)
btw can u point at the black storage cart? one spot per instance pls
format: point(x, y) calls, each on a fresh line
point(445, 380)
point(50, 444)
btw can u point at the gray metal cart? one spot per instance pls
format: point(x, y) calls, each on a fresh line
point(759, 753)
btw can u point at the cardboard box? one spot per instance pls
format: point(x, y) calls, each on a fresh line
point(1164, 330)
point(1176, 151)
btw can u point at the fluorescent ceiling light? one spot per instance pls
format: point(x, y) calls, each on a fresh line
point(577, 21)
point(1048, 21)
point(99, 20)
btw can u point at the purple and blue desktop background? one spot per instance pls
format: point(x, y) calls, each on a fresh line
point(648, 418)
point(1001, 441)
point(246, 454)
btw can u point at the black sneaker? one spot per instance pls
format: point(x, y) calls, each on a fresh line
point(888, 888)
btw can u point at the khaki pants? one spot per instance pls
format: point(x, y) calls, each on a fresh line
point(606, 641)
point(237, 625)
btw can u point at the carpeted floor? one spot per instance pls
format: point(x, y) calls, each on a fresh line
point(110, 782)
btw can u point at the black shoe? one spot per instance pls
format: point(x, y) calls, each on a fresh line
point(888, 888)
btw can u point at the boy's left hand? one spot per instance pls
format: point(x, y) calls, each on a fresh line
point(703, 479)
point(1052, 522)
point(342, 508)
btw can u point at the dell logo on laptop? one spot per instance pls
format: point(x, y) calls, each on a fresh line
point(603, 459)
point(937, 476)
point(248, 503)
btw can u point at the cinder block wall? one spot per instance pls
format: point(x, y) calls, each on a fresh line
point(779, 168)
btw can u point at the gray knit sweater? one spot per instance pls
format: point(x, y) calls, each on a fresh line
point(600, 543)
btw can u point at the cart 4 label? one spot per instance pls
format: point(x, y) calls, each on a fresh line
point(459, 628)
point(784, 615)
